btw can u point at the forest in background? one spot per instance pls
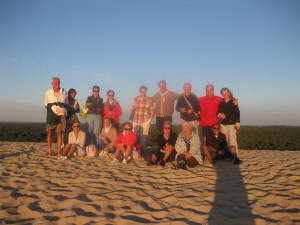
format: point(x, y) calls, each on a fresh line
point(249, 137)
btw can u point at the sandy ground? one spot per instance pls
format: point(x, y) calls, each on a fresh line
point(37, 189)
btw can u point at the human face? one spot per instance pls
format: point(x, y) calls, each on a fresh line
point(127, 129)
point(56, 84)
point(187, 89)
point(225, 94)
point(209, 91)
point(76, 126)
point(166, 129)
point(95, 92)
point(186, 130)
point(106, 123)
point(73, 94)
point(110, 96)
point(162, 87)
point(143, 92)
point(216, 129)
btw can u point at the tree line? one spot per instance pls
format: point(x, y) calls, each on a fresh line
point(249, 137)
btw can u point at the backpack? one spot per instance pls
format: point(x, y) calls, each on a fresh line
point(91, 151)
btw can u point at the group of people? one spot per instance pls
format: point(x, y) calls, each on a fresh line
point(219, 118)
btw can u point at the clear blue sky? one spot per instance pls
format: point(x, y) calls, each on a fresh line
point(249, 46)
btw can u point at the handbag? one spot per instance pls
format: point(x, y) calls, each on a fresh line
point(131, 115)
point(83, 112)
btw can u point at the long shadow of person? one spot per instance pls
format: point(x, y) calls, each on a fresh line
point(231, 204)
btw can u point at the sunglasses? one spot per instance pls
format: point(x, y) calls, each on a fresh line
point(216, 128)
point(168, 128)
point(76, 126)
point(126, 128)
point(110, 95)
point(95, 90)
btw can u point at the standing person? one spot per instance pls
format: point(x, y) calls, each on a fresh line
point(73, 103)
point(188, 106)
point(54, 101)
point(209, 105)
point(112, 109)
point(164, 101)
point(125, 143)
point(188, 148)
point(229, 115)
point(143, 114)
point(76, 141)
point(93, 123)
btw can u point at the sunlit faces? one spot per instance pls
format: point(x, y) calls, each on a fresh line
point(215, 129)
point(162, 86)
point(143, 92)
point(56, 83)
point(209, 90)
point(106, 123)
point(186, 129)
point(187, 88)
point(225, 94)
point(76, 126)
point(127, 129)
point(73, 94)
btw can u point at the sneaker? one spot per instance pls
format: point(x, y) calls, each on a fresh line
point(162, 163)
point(115, 160)
point(64, 158)
point(237, 161)
point(61, 157)
point(124, 161)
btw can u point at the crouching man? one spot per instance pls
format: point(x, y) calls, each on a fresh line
point(216, 147)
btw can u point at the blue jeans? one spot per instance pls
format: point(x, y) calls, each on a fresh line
point(102, 145)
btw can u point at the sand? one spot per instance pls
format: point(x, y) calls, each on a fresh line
point(37, 189)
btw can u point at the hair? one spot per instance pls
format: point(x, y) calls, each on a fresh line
point(226, 89)
point(162, 81)
point(210, 85)
point(110, 91)
point(96, 87)
point(108, 119)
point(167, 122)
point(188, 125)
point(143, 87)
point(128, 124)
point(72, 90)
point(76, 121)
point(187, 83)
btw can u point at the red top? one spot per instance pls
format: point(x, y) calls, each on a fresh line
point(112, 111)
point(129, 140)
point(209, 108)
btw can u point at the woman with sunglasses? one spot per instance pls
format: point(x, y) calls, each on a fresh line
point(125, 143)
point(112, 109)
point(76, 141)
point(166, 146)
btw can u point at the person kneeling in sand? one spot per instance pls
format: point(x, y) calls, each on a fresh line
point(188, 148)
point(125, 143)
point(216, 147)
point(76, 141)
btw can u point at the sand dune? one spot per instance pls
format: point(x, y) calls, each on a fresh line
point(37, 189)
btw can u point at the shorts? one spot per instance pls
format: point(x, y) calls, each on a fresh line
point(59, 127)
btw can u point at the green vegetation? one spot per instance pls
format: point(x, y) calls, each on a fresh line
point(249, 137)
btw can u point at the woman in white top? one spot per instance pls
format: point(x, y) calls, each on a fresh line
point(75, 142)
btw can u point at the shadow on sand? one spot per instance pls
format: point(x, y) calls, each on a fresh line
point(231, 204)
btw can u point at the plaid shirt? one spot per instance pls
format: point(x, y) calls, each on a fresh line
point(144, 110)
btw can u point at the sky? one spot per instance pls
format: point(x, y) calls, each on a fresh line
point(250, 46)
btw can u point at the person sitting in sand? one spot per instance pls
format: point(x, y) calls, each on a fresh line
point(107, 137)
point(188, 148)
point(76, 141)
point(216, 147)
point(125, 143)
point(166, 146)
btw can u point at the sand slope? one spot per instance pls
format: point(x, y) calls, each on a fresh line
point(37, 189)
